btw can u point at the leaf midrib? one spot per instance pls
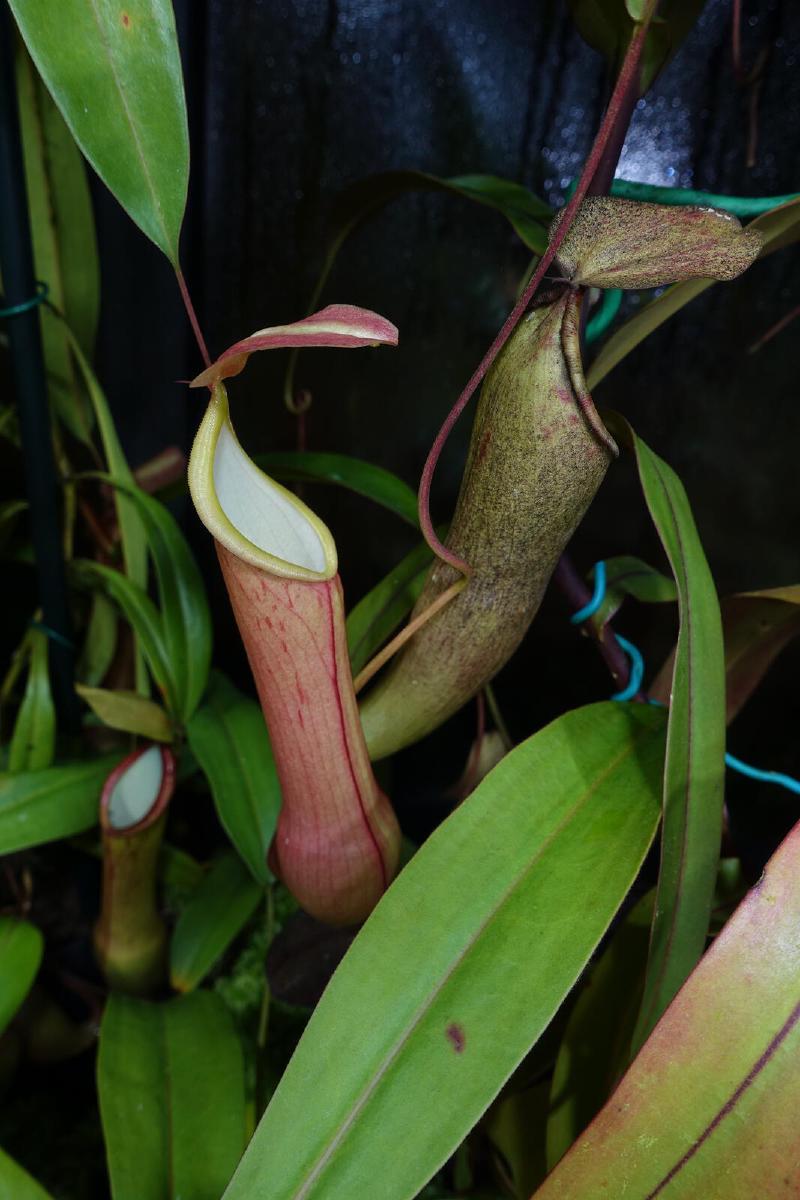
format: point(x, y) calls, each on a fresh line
point(134, 132)
point(427, 1003)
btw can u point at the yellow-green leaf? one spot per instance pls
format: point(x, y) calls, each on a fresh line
point(129, 712)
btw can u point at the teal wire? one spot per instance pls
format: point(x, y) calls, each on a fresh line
point(14, 310)
point(606, 312)
point(637, 674)
point(53, 634)
point(591, 608)
point(778, 777)
point(739, 206)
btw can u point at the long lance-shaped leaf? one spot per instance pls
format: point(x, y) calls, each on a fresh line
point(213, 916)
point(527, 214)
point(709, 1107)
point(756, 626)
point(16, 1183)
point(378, 614)
point(228, 737)
point(694, 772)
point(132, 536)
point(34, 736)
point(341, 326)
point(21, 946)
point(64, 242)
point(115, 73)
point(595, 1050)
point(359, 476)
point(134, 543)
point(462, 964)
point(778, 228)
point(44, 806)
point(608, 26)
point(171, 1085)
point(185, 616)
point(142, 614)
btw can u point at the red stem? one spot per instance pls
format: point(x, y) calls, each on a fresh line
point(193, 321)
point(619, 98)
point(777, 328)
point(578, 595)
point(736, 41)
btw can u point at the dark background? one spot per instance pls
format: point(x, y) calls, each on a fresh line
point(291, 101)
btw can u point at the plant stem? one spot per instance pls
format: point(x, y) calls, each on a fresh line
point(577, 594)
point(565, 576)
point(192, 315)
point(618, 112)
point(777, 328)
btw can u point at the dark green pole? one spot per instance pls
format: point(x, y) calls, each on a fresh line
point(19, 285)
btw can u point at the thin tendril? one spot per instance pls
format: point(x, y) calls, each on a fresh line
point(629, 68)
point(390, 649)
point(192, 315)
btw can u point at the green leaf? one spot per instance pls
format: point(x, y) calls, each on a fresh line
point(528, 215)
point(21, 947)
point(16, 1183)
point(64, 242)
point(609, 25)
point(780, 227)
point(140, 612)
point(171, 1086)
point(34, 737)
point(44, 806)
point(709, 1107)
point(217, 912)
point(134, 544)
point(185, 617)
point(129, 712)
point(100, 641)
point(362, 477)
point(378, 614)
point(132, 536)
point(694, 775)
point(595, 1050)
point(629, 576)
point(757, 626)
point(230, 741)
point(115, 74)
point(462, 964)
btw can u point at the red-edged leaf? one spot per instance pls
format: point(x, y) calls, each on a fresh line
point(709, 1107)
point(340, 325)
point(694, 770)
point(757, 627)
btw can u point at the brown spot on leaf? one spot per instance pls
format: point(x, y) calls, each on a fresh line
point(456, 1037)
point(126, 21)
